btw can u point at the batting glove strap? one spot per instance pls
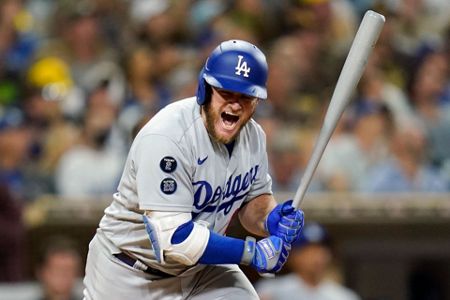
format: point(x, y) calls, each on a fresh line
point(249, 251)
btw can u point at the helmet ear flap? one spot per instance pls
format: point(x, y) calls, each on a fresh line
point(203, 90)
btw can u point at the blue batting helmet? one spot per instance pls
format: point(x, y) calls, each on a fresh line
point(236, 66)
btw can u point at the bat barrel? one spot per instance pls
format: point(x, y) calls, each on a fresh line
point(354, 65)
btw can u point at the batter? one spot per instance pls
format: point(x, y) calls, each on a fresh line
point(193, 166)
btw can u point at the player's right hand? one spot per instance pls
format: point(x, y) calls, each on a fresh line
point(271, 254)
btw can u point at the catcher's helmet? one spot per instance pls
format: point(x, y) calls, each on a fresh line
point(237, 66)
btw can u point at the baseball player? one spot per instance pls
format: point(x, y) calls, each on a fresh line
point(189, 169)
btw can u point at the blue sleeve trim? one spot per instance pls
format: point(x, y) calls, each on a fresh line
point(222, 250)
point(219, 250)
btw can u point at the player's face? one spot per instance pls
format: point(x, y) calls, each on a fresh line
point(227, 113)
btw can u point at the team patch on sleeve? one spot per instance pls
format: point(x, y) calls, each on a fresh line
point(168, 164)
point(168, 186)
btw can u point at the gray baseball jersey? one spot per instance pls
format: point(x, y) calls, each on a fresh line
point(174, 165)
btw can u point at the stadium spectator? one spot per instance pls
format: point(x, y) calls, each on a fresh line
point(59, 269)
point(284, 154)
point(143, 95)
point(310, 261)
point(427, 87)
point(18, 41)
point(12, 237)
point(352, 152)
point(417, 23)
point(289, 152)
point(406, 170)
point(93, 167)
point(52, 106)
point(16, 140)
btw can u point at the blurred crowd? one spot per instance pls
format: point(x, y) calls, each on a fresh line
point(79, 78)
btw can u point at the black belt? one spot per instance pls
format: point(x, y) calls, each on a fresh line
point(132, 262)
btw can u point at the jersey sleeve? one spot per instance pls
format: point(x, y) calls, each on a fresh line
point(162, 175)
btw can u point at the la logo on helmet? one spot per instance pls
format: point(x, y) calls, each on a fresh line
point(242, 67)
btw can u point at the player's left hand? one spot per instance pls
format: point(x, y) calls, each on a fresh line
point(270, 255)
point(285, 222)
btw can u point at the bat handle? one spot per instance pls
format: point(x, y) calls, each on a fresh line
point(318, 150)
point(299, 195)
point(306, 179)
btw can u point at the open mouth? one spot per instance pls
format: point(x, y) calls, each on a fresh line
point(229, 119)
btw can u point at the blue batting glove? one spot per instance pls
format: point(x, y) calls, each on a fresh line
point(285, 222)
point(270, 255)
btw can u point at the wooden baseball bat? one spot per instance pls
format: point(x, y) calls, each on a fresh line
point(354, 65)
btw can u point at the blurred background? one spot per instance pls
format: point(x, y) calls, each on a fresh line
point(79, 78)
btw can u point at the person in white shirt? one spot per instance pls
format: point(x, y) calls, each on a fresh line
point(309, 261)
